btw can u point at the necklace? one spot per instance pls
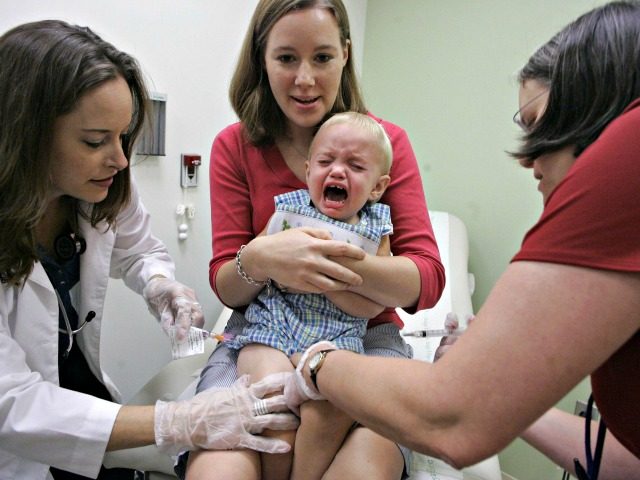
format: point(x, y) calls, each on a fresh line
point(295, 149)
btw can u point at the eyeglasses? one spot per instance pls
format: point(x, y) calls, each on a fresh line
point(517, 117)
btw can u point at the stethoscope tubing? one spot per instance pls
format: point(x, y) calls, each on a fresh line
point(68, 330)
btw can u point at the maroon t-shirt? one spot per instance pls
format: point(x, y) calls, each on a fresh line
point(592, 219)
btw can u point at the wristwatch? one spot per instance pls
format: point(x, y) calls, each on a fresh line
point(315, 363)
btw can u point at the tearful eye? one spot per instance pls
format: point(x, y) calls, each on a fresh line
point(336, 194)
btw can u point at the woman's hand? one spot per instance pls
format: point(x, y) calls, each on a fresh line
point(226, 418)
point(298, 387)
point(173, 304)
point(298, 259)
point(451, 325)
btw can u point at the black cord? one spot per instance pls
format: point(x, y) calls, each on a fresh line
point(592, 460)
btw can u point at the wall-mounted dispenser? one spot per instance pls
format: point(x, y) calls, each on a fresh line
point(152, 139)
point(189, 164)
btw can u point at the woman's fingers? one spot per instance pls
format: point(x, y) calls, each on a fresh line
point(300, 258)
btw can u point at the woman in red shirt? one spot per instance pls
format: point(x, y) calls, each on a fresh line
point(295, 70)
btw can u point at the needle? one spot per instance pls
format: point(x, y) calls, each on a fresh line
point(438, 332)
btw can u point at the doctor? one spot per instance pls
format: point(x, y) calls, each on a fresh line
point(71, 106)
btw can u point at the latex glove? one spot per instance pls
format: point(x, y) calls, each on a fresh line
point(224, 418)
point(173, 303)
point(296, 389)
point(451, 324)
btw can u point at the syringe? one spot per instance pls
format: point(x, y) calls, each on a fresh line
point(216, 336)
point(435, 332)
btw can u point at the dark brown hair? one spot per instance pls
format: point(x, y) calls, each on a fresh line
point(592, 68)
point(45, 68)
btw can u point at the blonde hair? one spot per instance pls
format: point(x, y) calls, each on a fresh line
point(369, 125)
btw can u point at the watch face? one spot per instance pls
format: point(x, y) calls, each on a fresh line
point(313, 363)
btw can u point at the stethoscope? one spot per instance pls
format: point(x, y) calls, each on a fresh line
point(68, 330)
point(66, 247)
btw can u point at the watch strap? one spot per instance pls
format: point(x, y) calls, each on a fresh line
point(316, 368)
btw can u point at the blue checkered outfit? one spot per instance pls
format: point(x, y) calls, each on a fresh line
point(292, 322)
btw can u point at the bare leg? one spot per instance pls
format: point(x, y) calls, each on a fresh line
point(223, 464)
point(368, 456)
point(322, 430)
point(259, 361)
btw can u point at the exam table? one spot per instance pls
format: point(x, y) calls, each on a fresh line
point(179, 378)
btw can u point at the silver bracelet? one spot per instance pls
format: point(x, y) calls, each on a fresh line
point(247, 278)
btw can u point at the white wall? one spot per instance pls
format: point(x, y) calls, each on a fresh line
point(188, 50)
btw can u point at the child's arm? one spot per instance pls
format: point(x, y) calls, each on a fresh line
point(355, 304)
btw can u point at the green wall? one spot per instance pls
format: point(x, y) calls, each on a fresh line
point(445, 71)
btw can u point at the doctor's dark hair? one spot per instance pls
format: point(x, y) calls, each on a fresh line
point(592, 68)
point(45, 68)
point(250, 93)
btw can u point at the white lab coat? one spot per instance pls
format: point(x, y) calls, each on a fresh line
point(42, 424)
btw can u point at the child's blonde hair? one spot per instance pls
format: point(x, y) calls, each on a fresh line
point(368, 124)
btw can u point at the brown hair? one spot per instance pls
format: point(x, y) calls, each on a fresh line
point(592, 69)
point(45, 68)
point(250, 93)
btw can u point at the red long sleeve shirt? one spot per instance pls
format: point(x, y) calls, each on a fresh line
point(592, 219)
point(244, 179)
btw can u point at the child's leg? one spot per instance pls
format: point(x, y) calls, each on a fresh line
point(367, 455)
point(259, 361)
point(322, 430)
point(223, 464)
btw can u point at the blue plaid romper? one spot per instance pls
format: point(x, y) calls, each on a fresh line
point(292, 322)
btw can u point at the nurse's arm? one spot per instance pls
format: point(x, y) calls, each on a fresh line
point(134, 427)
point(543, 328)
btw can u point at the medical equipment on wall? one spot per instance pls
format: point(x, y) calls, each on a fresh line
point(153, 136)
point(184, 214)
point(189, 163)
